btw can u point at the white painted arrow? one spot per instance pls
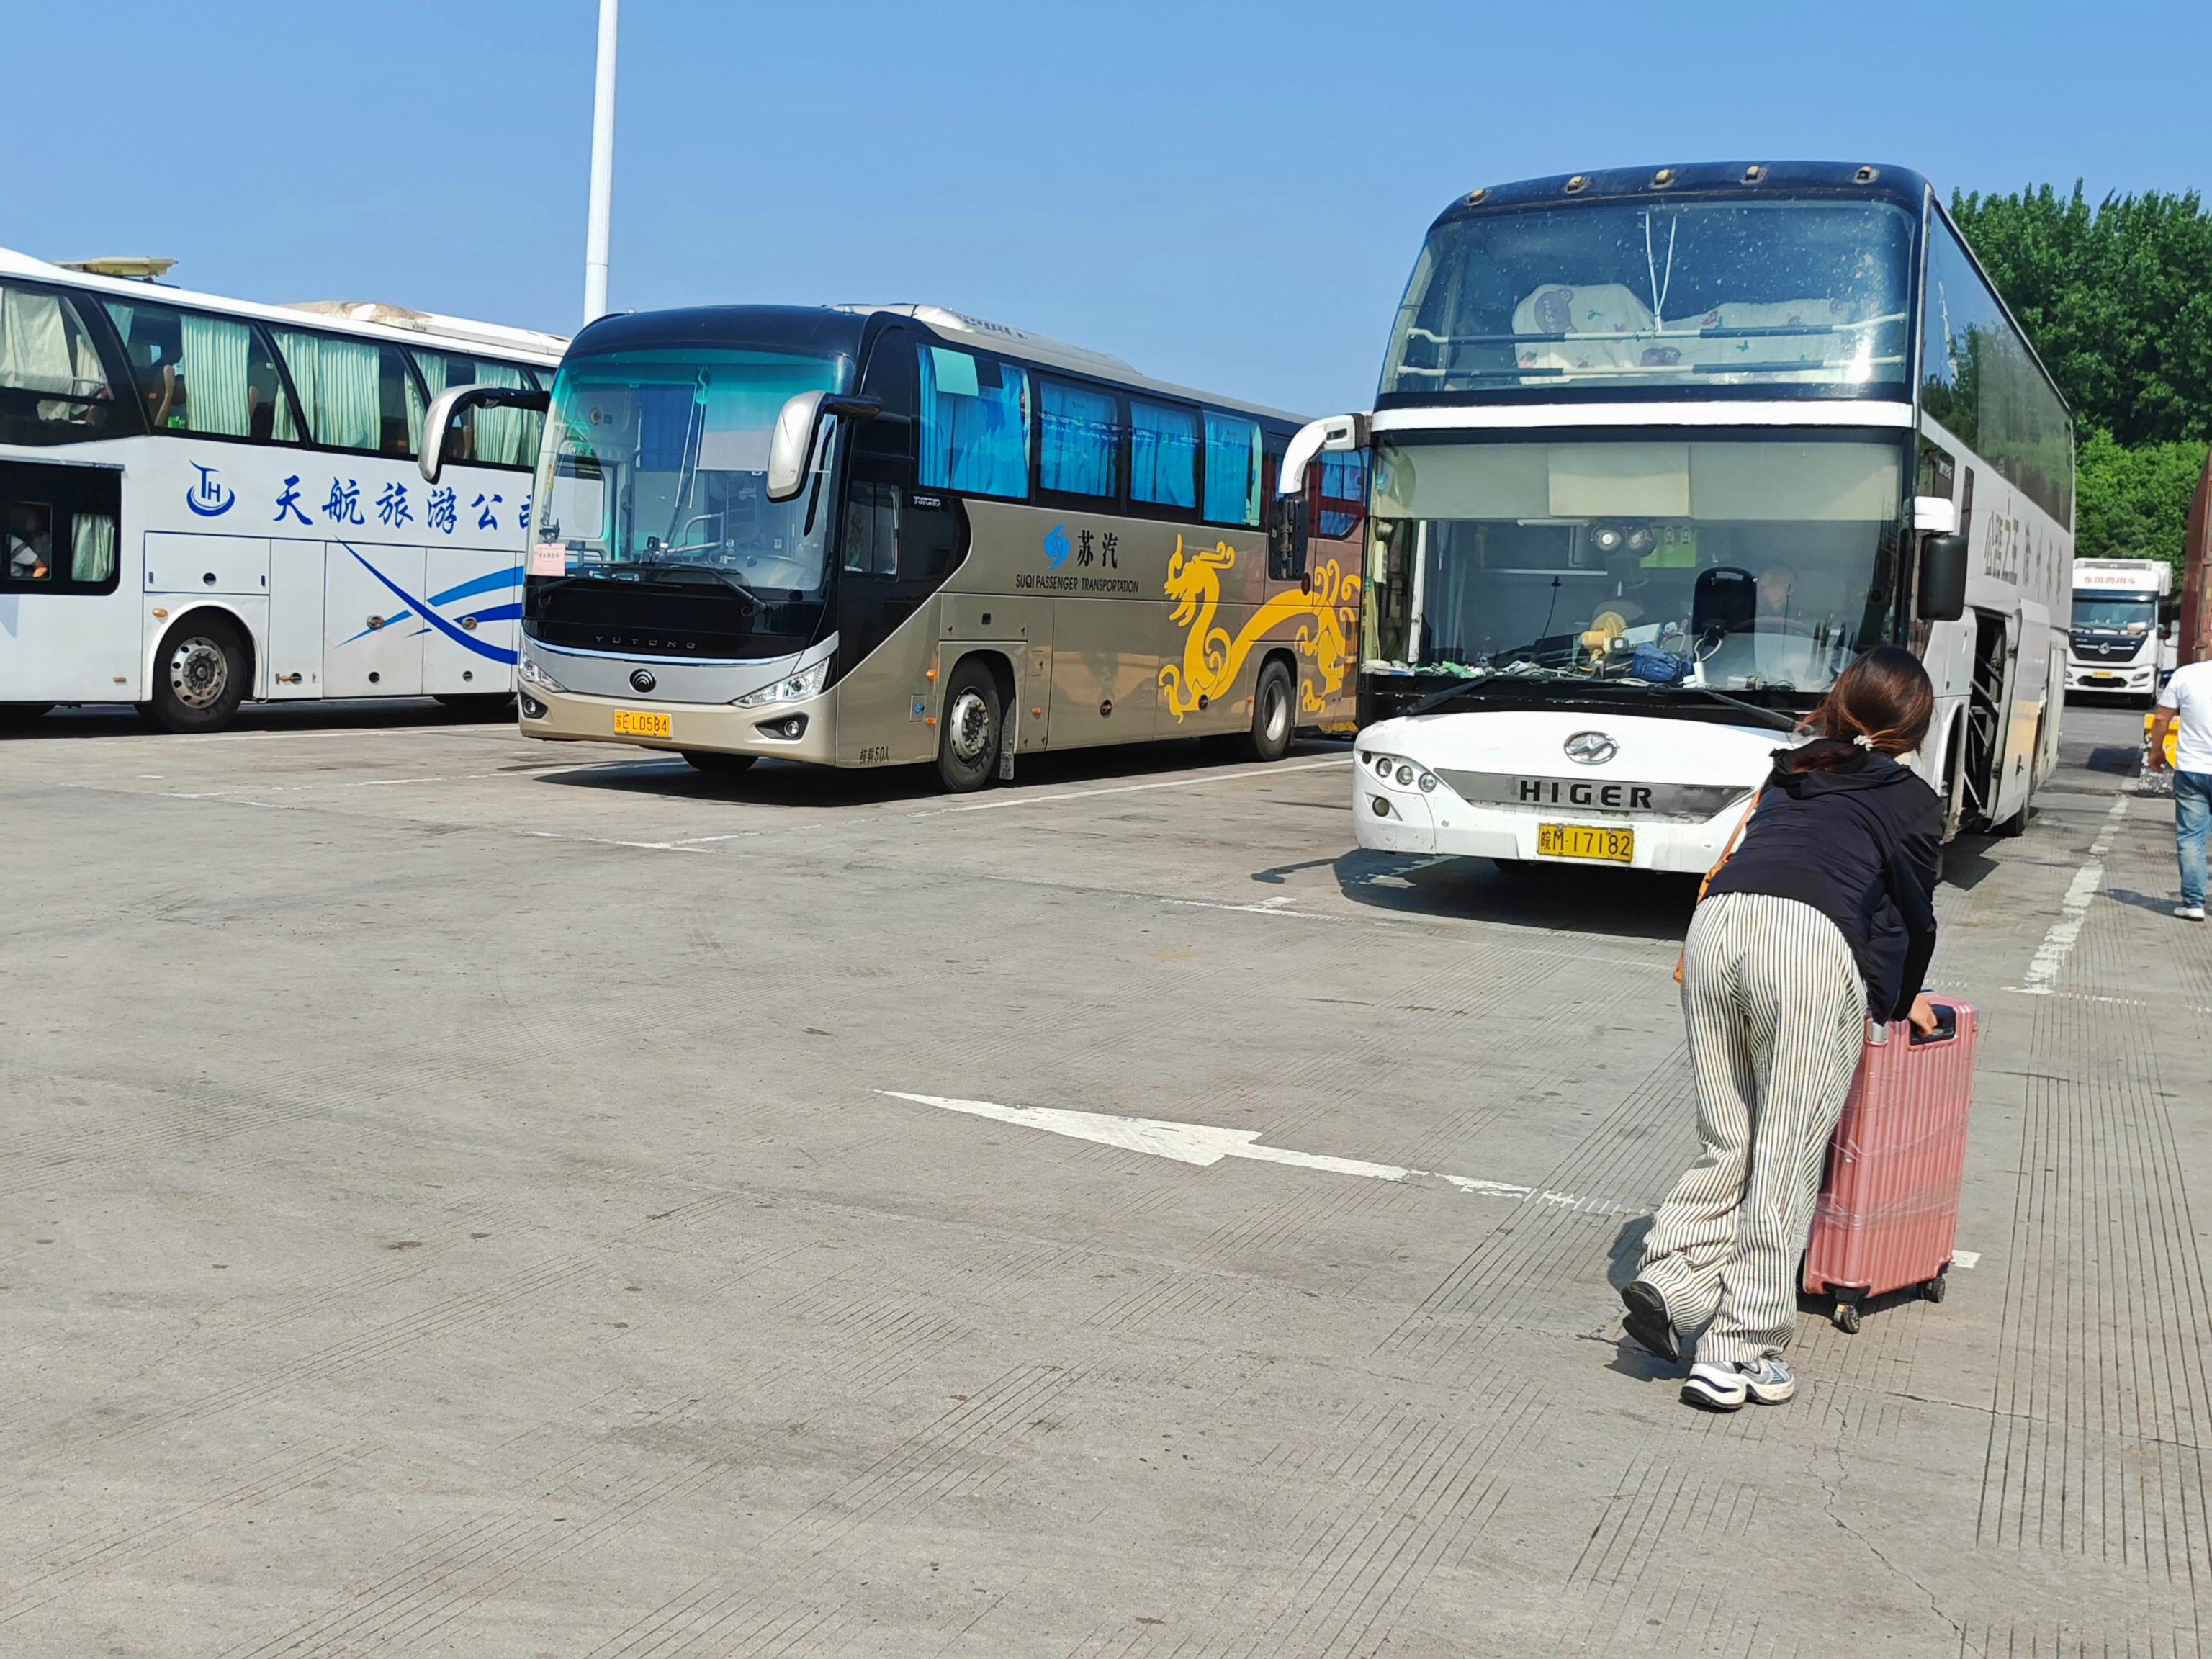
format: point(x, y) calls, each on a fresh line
point(1203, 1144)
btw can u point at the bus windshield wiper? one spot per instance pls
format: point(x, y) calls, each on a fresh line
point(661, 568)
point(1522, 670)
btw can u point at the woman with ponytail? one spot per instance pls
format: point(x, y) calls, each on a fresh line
point(1821, 918)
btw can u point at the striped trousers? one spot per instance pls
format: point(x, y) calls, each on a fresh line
point(1776, 1017)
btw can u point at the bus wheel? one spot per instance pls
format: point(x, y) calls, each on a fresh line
point(716, 765)
point(1275, 720)
point(22, 713)
point(199, 677)
point(968, 735)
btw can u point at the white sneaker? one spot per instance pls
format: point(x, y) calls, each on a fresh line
point(1717, 1388)
point(2190, 912)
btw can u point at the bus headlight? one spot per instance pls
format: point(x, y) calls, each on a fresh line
point(806, 683)
point(530, 674)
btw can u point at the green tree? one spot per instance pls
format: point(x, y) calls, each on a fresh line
point(2117, 299)
point(2134, 503)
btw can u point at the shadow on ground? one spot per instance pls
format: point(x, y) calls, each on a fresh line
point(795, 784)
point(121, 720)
point(1569, 898)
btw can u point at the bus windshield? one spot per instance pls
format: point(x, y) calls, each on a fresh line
point(2114, 613)
point(655, 465)
point(1684, 293)
point(1734, 564)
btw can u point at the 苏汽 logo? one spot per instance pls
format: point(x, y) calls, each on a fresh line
point(1591, 748)
point(1056, 547)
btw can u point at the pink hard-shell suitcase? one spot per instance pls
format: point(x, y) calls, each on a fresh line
point(1888, 1214)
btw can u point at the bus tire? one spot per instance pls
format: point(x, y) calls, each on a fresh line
point(22, 713)
point(968, 730)
point(717, 765)
point(1274, 713)
point(200, 675)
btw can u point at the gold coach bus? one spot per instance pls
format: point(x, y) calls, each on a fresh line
point(875, 536)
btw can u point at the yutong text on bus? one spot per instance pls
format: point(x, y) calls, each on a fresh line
point(1657, 452)
point(871, 535)
point(206, 500)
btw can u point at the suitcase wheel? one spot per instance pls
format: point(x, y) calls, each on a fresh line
point(1935, 1289)
point(1846, 1316)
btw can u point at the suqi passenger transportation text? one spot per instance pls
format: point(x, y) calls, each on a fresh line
point(865, 536)
point(1656, 453)
point(206, 500)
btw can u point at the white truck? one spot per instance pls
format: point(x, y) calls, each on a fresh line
point(2116, 644)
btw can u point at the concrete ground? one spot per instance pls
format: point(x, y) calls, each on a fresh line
point(451, 1202)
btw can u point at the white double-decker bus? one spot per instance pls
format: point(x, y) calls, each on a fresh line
point(1657, 452)
point(204, 501)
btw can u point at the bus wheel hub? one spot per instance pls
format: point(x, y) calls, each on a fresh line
point(970, 726)
point(196, 673)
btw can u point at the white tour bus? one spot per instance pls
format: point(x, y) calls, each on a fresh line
point(2117, 644)
point(205, 500)
point(1656, 453)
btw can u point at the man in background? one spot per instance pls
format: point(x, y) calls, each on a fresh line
point(2187, 700)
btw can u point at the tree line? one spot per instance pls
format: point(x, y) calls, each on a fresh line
point(2117, 298)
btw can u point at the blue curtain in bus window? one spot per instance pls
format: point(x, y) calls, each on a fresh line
point(1343, 492)
point(1077, 443)
point(663, 427)
point(975, 423)
point(1232, 469)
point(1162, 454)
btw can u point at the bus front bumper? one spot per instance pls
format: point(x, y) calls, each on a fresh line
point(1451, 827)
point(574, 717)
point(2141, 678)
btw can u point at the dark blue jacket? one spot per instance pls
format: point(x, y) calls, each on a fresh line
point(1863, 845)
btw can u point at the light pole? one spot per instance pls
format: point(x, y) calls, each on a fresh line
point(603, 169)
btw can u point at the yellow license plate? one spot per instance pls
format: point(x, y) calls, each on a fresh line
point(1583, 841)
point(2104, 677)
point(635, 723)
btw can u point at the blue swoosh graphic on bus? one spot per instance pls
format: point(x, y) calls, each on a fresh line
point(396, 616)
point(493, 583)
point(466, 642)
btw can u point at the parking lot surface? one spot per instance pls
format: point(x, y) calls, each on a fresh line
point(465, 1195)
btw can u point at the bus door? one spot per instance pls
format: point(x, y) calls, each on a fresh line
point(893, 545)
point(60, 541)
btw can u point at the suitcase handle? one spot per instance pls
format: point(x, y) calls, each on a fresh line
point(1946, 1026)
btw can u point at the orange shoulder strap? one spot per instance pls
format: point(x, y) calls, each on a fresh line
point(1727, 852)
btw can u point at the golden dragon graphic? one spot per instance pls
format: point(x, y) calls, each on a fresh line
point(1210, 657)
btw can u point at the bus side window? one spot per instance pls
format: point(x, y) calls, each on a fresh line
point(1232, 469)
point(882, 464)
point(1162, 455)
point(204, 376)
point(975, 423)
point(54, 386)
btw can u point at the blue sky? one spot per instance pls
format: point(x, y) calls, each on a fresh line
point(1229, 195)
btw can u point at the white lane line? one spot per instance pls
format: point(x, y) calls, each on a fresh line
point(608, 841)
point(1965, 1258)
point(1202, 1144)
point(2073, 910)
point(1276, 770)
point(1272, 907)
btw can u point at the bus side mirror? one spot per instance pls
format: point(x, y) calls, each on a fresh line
point(1332, 432)
point(1287, 534)
point(790, 445)
point(455, 401)
point(1942, 578)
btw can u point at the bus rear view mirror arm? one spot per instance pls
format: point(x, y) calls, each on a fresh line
point(1942, 578)
point(450, 404)
point(1332, 432)
point(791, 447)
